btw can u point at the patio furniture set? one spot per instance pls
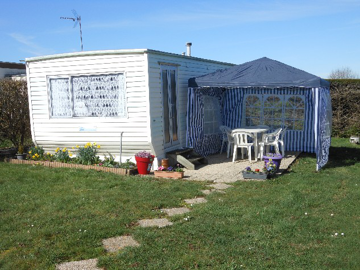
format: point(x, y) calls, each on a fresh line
point(247, 138)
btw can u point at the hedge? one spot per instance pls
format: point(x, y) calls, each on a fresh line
point(345, 98)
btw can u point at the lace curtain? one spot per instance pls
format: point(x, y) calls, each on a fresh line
point(92, 96)
point(60, 98)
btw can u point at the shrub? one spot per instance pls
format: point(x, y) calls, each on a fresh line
point(14, 111)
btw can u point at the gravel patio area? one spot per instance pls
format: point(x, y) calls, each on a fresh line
point(222, 170)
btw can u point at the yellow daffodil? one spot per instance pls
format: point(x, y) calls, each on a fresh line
point(70, 155)
point(98, 146)
point(57, 149)
point(33, 157)
point(77, 146)
point(29, 152)
point(64, 150)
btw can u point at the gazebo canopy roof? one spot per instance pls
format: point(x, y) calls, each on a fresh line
point(263, 72)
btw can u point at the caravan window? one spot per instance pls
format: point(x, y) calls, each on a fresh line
point(88, 96)
point(212, 117)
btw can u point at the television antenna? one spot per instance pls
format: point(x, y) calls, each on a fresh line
point(77, 20)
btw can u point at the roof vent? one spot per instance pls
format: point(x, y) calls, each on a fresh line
point(188, 48)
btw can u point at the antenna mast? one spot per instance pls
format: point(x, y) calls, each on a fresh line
point(77, 20)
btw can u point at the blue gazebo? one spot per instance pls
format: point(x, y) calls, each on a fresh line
point(261, 92)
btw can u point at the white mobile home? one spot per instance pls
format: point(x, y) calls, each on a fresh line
point(129, 99)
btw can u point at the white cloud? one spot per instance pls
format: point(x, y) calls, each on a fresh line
point(30, 46)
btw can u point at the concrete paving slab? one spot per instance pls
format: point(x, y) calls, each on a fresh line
point(176, 211)
point(115, 244)
point(79, 265)
point(195, 201)
point(157, 222)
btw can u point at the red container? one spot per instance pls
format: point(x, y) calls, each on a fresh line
point(144, 164)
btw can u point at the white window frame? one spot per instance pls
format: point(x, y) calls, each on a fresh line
point(122, 98)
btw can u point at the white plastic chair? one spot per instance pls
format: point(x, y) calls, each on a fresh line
point(241, 141)
point(281, 141)
point(227, 138)
point(270, 139)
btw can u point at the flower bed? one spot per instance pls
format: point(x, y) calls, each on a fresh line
point(54, 164)
point(170, 172)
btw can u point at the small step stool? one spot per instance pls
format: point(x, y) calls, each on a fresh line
point(186, 157)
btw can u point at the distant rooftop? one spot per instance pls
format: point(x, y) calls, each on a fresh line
point(12, 65)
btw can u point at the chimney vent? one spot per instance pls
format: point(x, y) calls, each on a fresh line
point(188, 48)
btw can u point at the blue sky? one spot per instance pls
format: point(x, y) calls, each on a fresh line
point(313, 35)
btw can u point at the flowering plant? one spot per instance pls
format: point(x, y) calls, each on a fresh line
point(270, 167)
point(143, 154)
point(62, 155)
point(36, 153)
point(87, 155)
point(248, 169)
point(178, 168)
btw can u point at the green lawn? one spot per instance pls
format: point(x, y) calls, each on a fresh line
point(285, 223)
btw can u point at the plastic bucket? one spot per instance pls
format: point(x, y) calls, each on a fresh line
point(143, 164)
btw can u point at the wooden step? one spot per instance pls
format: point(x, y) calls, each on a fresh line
point(186, 157)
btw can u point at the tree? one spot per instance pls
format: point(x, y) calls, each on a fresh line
point(343, 73)
point(14, 111)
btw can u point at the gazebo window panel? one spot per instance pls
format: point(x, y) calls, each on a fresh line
point(273, 111)
point(253, 110)
point(60, 97)
point(212, 118)
point(294, 112)
point(88, 96)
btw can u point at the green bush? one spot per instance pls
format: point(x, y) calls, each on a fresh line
point(14, 112)
point(345, 98)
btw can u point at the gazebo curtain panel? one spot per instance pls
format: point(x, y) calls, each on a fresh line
point(232, 115)
point(263, 91)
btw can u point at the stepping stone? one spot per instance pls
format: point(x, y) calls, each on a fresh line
point(176, 211)
point(157, 222)
point(196, 200)
point(220, 186)
point(79, 265)
point(115, 244)
point(209, 191)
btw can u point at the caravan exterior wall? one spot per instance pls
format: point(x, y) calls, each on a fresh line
point(63, 116)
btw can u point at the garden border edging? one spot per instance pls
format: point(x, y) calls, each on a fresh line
point(55, 164)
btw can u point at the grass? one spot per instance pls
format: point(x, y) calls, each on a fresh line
point(255, 225)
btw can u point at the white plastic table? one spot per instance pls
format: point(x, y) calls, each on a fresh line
point(255, 131)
